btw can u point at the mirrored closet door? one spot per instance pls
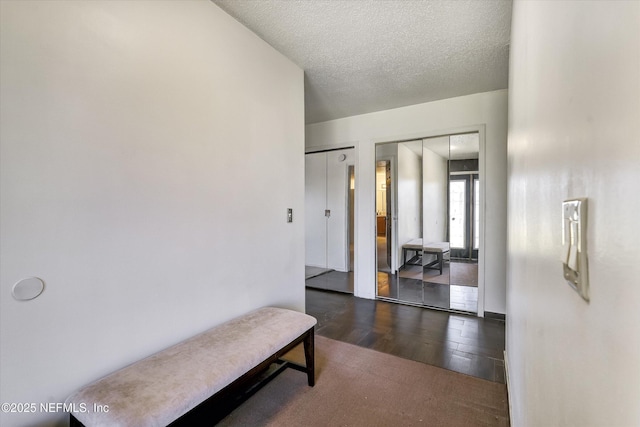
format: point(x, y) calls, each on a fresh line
point(427, 205)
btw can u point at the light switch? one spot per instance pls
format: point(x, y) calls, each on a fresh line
point(574, 245)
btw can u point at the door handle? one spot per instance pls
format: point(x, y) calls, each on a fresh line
point(327, 213)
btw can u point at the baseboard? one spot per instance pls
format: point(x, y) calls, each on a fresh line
point(495, 316)
point(506, 375)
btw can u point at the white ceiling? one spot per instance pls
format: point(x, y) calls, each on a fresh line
point(361, 56)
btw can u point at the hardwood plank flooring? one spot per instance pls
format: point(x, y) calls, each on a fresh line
point(333, 281)
point(465, 344)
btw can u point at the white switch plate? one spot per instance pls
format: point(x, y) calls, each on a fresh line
point(574, 245)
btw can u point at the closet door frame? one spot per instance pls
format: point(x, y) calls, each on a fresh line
point(326, 215)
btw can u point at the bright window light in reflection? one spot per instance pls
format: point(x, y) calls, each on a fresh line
point(457, 201)
point(476, 214)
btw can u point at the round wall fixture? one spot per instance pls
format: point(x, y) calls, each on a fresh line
point(342, 157)
point(27, 289)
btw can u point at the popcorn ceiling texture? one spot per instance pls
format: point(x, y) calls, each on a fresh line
point(361, 56)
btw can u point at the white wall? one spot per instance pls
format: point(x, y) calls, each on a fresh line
point(409, 197)
point(435, 179)
point(485, 111)
point(574, 131)
point(127, 187)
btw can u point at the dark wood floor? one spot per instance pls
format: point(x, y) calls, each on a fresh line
point(332, 280)
point(465, 344)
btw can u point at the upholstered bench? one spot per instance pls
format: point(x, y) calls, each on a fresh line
point(206, 370)
point(439, 249)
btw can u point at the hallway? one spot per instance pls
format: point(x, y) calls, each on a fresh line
point(465, 344)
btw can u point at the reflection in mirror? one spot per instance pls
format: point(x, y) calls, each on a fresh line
point(385, 229)
point(464, 220)
point(409, 214)
point(427, 209)
point(399, 221)
point(436, 274)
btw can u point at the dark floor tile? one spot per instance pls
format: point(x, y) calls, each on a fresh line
point(459, 363)
point(370, 339)
point(465, 344)
point(483, 367)
point(495, 352)
point(500, 374)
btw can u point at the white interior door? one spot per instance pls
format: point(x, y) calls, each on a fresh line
point(326, 213)
point(337, 186)
point(314, 209)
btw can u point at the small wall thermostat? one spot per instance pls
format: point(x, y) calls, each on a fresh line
point(574, 245)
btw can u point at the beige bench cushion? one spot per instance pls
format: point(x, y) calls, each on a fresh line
point(159, 389)
point(434, 247)
point(414, 244)
point(430, 247)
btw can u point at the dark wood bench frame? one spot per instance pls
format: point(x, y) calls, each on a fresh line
point(222, 403)
point(437, 264)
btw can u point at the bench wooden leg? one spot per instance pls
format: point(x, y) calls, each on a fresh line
point(309, 356)
point(73, 421)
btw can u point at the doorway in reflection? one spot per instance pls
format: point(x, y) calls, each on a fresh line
point(383, 215)
point(430, 213)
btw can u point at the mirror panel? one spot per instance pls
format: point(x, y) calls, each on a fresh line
point(464, 220)
point(435, 170)
point(427, 221)
point(387, 285)
point(409, 221)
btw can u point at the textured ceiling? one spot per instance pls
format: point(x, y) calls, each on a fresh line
point(361, 56)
